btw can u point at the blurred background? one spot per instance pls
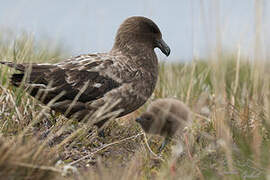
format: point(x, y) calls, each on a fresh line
point(192, 28)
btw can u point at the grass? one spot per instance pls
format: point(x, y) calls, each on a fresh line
point(229, 138)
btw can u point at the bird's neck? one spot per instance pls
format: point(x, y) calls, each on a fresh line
point(141, 53)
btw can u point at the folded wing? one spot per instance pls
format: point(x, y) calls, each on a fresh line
point(80, 78)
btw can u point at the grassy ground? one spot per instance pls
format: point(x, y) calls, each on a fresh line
point(229, 139)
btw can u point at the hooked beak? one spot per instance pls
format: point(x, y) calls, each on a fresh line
point(163, 46)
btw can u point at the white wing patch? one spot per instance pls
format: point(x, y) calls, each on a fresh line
point(97, 85)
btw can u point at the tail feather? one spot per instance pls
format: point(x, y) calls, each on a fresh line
point(35, 72)
point(16, 79)
point(19, 67)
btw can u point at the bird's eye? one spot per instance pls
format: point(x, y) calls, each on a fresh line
point(148, 118)
point(154, 30)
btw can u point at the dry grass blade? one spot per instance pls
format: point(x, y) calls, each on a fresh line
point(105, 146)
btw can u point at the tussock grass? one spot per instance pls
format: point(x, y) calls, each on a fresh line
point(229, 138)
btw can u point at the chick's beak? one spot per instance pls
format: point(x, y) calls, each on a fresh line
point(138, 119)
point(160, 43)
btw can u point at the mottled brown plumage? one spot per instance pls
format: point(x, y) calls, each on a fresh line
point(127, 73)
point(165, 117)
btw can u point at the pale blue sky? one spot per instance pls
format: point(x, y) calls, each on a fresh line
point(188, 26)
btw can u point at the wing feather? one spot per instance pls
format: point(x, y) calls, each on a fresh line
point(84, 79)
point(69, 76)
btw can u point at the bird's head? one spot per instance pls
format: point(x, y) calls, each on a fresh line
point(140, 30)
point(146, 121)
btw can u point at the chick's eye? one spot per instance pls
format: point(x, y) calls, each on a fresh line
point(148, 118)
